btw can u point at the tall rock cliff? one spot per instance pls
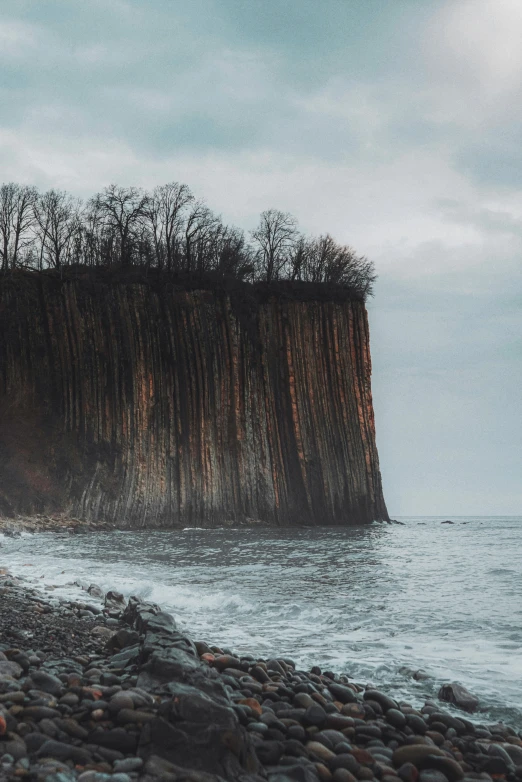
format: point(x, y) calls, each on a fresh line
point(151, 405)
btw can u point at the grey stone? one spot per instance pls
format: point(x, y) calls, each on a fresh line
point(459, 696)
point(47, 682)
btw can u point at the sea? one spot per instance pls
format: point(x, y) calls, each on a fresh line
point(379, 602)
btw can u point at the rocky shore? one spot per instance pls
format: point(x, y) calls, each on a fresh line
point(99, 689)
point(13, 527)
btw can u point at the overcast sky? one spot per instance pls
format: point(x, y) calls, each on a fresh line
point(395, 125)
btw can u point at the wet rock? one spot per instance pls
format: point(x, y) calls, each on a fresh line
point(95, 591)
point(47, 683)
point(128, 764)
point(15, 747)
point(207, 747)
point(414, 753)
point(496, 766)
point(269, 752)
point(37, 713)
point(165, 665)
point(345, 760)
point(102, 632)
point(342, 692)
point(416, 723)
point(258, 727)
point(496, 750)
point(120, 700)
point(459, 696)
point(260, 674)
point(123, 638)
point(319, 750)
point(293, 773)
point(447, 766)
point(62, 751)
point(514, 752)
point(384, 701)
point(114, 600)
point(396, 718)
point(343, 775)
point(408, 772)
point(10, 669)
point(115, 738)
point(430, 775)
point(439, 718)
point(314, 715)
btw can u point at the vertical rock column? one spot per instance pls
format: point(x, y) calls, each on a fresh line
point(158, 407)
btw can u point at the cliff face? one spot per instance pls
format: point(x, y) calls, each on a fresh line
point(159, 407)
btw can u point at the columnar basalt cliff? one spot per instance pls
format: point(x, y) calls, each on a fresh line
point(153, 405)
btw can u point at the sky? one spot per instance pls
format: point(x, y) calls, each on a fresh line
point(394, 125)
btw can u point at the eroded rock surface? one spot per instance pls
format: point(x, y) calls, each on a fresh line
point(160, 406)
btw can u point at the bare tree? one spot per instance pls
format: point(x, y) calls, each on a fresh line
point(299, 258)
point(274, 241)
point(171, 230)
point(57, 225)
point(320, 256)
point(16, 217)
point(323, 260)
point(122, 209)
point(165, 214)
point(233, 256)
point(200, 225)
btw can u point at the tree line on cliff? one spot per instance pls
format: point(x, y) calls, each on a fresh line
point(167, 229)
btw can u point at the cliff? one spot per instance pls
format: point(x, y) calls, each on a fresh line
point(152, 405)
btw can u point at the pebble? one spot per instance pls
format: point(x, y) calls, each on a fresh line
point(414, 753)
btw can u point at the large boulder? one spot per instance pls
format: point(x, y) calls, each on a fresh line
point(459, 696)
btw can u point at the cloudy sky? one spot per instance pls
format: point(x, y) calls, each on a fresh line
point(395, 125)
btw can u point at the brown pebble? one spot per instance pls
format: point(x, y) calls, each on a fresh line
point(343, 775)
point(323, 773)
point(436, 737)
point(318, 698)
point(364, 773)
point(319, 750)
point(225, 661)
point(253, 704)
point(362, 756)
point(353, 710)
point(339, 721)
point(414, 753)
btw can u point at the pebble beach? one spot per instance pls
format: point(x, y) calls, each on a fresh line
point(108, 689)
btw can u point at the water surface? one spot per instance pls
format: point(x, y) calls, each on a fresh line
point(368, 601)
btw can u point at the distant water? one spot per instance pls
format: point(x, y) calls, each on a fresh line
point(368, 601)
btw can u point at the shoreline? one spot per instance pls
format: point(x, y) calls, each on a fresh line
point(94, 692)
point(59, 523)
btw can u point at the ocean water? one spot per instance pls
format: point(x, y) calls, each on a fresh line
point(376, 602)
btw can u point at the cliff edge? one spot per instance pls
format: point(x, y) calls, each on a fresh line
point(148, 405)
